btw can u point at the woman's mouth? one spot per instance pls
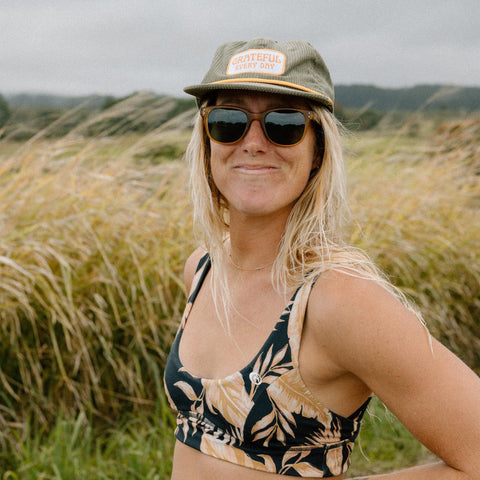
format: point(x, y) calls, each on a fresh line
point(255, 169)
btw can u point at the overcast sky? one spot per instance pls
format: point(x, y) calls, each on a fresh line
point(119, 46)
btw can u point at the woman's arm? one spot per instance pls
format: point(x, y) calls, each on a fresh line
point(436, 396)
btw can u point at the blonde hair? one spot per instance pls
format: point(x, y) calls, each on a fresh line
point(312, 241)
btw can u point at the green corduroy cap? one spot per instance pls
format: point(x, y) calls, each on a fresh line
point(265, 65)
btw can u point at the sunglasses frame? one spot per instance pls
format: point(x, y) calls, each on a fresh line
point(205, 112)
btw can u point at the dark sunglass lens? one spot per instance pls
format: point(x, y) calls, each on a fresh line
point(285, 127)
point(226, 125)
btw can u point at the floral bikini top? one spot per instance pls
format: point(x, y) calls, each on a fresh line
point(263, 416)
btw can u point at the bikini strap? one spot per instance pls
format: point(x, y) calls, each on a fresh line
point(200, 273)
point(297, 318)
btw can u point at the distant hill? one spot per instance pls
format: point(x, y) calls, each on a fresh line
point(429, 97)
point(40, 100)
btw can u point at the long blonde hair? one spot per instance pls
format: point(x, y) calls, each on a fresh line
point(313, 238)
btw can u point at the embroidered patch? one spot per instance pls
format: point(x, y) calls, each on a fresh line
point(257, 61)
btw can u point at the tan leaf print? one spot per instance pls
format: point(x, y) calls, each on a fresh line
point(279, 356)
point(266, 361)
point(280, 434)
point(295, 328)
point(306, 470)
point(291, 454)
point(182, 424)
point(229, 398)
point(290, 395)
point(266, 434)
point(294, 459)
point(187, 390)
point(284, 423)
point(216, 448)
point(269, 463)
point(279, 365)
point(264, 422)
point(334, 460)
point(272, 425)
point(167, 394)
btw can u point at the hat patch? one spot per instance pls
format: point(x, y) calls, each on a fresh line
point(257, 61)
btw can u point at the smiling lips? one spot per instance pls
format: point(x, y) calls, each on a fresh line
point(254, 169)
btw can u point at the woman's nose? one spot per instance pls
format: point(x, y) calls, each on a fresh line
point(255, 140)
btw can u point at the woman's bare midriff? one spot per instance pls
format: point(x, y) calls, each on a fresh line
point(191, 464)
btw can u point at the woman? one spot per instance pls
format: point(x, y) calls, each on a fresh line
point(287, 332)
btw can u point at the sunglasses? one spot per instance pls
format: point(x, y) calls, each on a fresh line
point(285, 127)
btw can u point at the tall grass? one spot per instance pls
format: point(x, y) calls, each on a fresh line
point(140, 448)
point(91, 258)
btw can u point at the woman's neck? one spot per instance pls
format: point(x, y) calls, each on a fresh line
point(254, 242)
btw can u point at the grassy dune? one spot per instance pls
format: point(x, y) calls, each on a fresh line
point(94, 233)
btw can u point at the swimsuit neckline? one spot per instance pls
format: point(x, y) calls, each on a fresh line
point(251, 363)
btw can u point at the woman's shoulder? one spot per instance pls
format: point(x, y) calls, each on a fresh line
point(191, 265)
point(350, 309)
point(352, 315)
point(343, 292)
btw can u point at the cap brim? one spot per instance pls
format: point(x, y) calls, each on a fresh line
point(202, 90)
